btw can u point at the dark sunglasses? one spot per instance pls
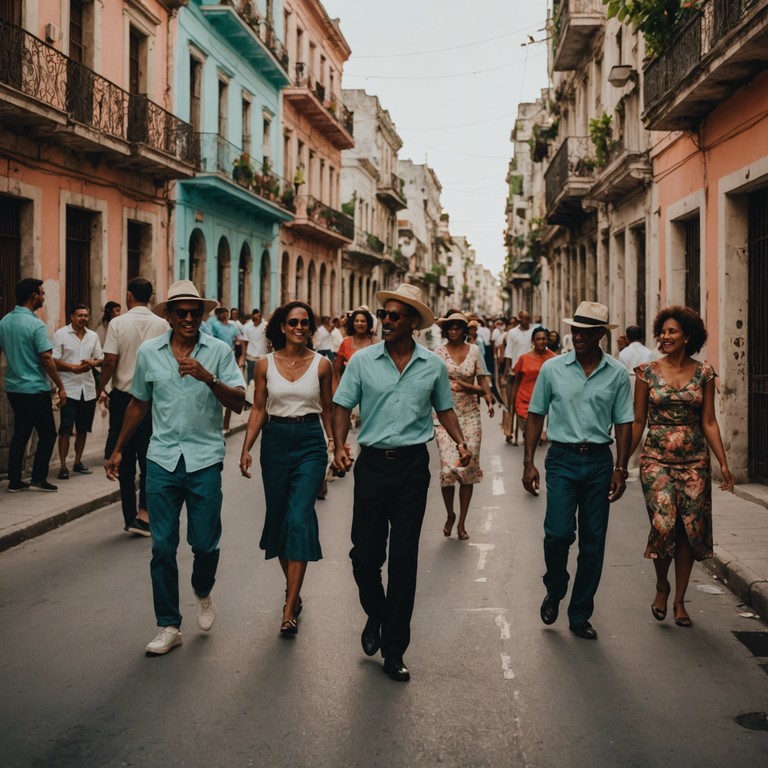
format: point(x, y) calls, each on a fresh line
point(589, 332)
point(182, 313)
point(294, 321)
point(383, 314)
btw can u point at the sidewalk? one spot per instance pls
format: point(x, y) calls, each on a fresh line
point(741, 518)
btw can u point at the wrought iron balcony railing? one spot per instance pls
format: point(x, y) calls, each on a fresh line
point(573, 161)
point(306, 78)
point(219, 156)
point(374, 243)
point(325, 216)
point(43, 73)
point(264, 30)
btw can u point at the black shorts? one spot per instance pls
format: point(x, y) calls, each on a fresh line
point(79, 414)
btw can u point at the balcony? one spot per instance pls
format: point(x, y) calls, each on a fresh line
point(715, 53)
point(576, 21)
point(367, 247)
point(390, 192)
point(626, 171)
point(229, 177)
point(568, 179)
point(251, 35)
point(48, 95)
point(326, 111)
point(318, 221)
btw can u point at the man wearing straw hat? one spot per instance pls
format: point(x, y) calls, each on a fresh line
point(186, 376)
point(397, 384)
point(585, 392)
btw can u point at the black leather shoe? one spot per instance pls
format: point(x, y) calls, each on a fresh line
point(584, 630)
point(394, 666)
point(371, 637)
point(549, 610)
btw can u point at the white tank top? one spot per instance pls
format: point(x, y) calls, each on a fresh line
point(293, 398)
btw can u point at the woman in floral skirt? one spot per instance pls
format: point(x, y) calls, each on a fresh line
point(675, 395)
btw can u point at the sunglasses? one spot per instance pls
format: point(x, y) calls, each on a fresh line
point(589, 332)
point(294, 321)
point(383, 314)
point(183, 313)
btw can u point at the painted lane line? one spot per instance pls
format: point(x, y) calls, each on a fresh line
point(497, 486)
point(489, 520)
point(505, 665)
point(481, 580)
point(496, 466)
point(484, 549)
point(503, 626)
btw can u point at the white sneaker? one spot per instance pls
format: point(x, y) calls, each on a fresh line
point(206, 612)
point(167, 638)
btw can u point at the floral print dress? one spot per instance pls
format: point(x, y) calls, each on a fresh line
point(467, 410)
point(675, 467)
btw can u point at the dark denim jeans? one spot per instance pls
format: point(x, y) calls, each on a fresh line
point(201, 492)
point(31, 412)
point(577, 488)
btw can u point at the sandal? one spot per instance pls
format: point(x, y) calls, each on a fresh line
point(658, 613)
point(683, 621)
point(299, 605)
point(462, 534)
point(289, 627)
point(448, 528)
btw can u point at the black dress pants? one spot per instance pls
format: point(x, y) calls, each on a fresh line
point(390, 499)
point(134, 450)
point(31, 412)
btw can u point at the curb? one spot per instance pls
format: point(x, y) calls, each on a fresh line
point(743, 582)
point(36, 527)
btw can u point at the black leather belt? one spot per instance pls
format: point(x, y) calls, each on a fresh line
point(393, 454)
point(581, 447)
point(295, 419)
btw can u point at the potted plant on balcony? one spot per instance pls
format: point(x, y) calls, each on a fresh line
point(349, 206)
point(331, 106)
point(288, 198)
point(242, 170)
point(601, 133)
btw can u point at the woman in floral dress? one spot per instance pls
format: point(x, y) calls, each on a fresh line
point(469, 379)
point(675, 395)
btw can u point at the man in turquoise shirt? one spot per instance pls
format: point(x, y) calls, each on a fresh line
point(397, 385)
point(187, 377)
point(24, 339)
point(586, 393)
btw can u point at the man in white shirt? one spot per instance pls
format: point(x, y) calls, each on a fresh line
point(323, 340)
point(125, 334)
point(256, 342)
point(635, 353)
point(518, 343)
point(76, 352)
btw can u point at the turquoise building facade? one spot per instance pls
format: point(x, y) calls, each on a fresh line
point(230, 68)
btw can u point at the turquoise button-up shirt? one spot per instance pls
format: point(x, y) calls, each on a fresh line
point(396, 408)
point(23, 337)
point(581, 409)
point(186, 416)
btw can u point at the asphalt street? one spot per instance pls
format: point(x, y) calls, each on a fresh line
point(491, 685)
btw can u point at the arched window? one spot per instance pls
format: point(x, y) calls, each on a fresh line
point(299, 285)
point(284, 278)
point(197, 252)
point(324, 306)
point(265, 285)
point(244, 269)
point(224, 272)
point(311, 285)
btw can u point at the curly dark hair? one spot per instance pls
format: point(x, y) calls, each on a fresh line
point(350, 324)
point(540, 329)
point(690, 323)
point(275, 333)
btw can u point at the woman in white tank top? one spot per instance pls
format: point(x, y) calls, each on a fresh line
point(292, 396)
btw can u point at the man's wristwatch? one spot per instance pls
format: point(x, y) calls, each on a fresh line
point(624, 471)
point(213, 382)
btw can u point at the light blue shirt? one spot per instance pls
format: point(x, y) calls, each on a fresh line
point(396, 408)
point(581, 409)
point(23, 337)
point(186, 416)
point(227, 332)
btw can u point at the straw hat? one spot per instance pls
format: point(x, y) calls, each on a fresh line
point(454, 317)
point(410, 295)
point(184, 290)
point(590, 314)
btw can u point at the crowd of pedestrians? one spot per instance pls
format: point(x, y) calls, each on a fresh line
point(170, 379)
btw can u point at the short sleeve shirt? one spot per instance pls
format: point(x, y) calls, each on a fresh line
point(70, 348)
point(226, 332)
point(581, 409)
point(396, 408)
point(186, 416)
point(23, 338)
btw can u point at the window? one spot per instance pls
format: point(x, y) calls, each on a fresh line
point(246, 113)
point(693, 264)
point(195, 92)
point(266, 145)
point(78, 257)
point(134, 61)
point(639, 237)
point(76, 37)
point(223, 109)
point(138, 262)
point(11, 11)
point(10, 250)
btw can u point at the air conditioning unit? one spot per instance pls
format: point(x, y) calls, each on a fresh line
point(52, 33)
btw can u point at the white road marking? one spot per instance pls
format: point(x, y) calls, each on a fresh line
point(505, 662)
point(497, 486)
point(503, 625)
point(484, 549)
point(496, 466)
point(481, 580)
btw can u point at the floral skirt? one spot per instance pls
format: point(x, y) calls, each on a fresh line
point(675, 491)
point(472, 429)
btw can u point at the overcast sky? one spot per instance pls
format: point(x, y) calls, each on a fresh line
point(406, 51)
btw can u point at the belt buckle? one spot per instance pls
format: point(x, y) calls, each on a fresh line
point(390, 454)
point(583, 448)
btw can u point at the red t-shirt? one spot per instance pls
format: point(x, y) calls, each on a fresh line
point(526, 372)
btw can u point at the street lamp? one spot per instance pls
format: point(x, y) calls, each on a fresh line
point(620, 74)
